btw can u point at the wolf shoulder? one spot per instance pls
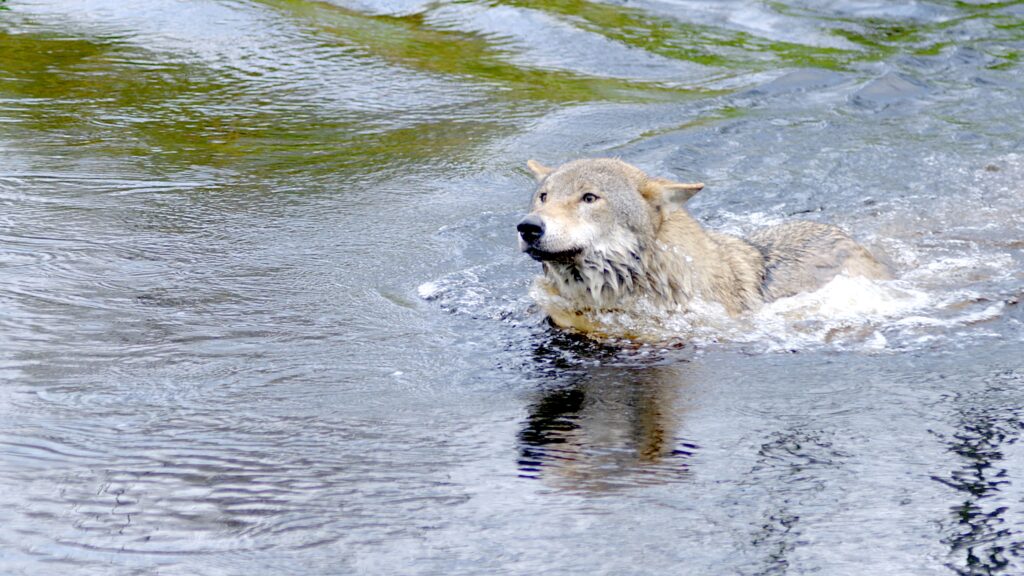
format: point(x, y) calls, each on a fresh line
point(802, 256)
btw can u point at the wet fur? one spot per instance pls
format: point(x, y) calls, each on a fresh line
point(642, 245)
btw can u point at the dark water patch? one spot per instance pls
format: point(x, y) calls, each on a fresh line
point(985, 528)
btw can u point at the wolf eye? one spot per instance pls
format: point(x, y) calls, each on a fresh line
point(589, 198)
point(543, 196)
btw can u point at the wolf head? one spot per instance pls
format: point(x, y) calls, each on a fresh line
point(596, 210)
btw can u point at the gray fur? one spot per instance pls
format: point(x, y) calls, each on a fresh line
point(801, 256)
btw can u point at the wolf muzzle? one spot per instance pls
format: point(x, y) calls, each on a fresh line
point(531, 230)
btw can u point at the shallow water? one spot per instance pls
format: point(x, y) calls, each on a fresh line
point(261, 310)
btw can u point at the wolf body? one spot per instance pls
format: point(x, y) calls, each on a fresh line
point(611, 238)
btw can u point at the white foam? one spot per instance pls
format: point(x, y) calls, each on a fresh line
point(849, 298)
point(973, 317)
point(848, 311)
point(428, 290)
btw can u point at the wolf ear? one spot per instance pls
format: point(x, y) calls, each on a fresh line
point(539, 170)
point(662, 190)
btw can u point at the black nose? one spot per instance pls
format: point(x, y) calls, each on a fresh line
point(531, 228)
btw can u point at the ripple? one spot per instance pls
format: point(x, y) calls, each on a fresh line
point(541, 40)
point(167, 483)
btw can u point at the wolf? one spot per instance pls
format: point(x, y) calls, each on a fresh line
point(611, 239)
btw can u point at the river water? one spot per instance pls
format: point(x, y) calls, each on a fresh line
point(261, 308)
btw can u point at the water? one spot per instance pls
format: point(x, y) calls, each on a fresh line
point(261, 310)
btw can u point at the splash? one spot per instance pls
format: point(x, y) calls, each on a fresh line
point(848, 313)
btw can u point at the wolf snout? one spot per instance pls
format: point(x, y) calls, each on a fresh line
point(530, 228)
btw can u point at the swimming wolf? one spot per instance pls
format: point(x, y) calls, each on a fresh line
point(611, 239)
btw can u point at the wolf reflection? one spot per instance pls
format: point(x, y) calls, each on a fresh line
point(608, 427)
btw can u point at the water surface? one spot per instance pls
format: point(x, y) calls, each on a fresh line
point(261, 310)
